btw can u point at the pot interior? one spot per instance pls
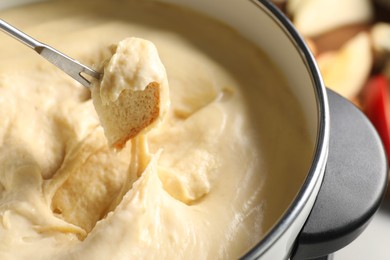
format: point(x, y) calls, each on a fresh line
point(262, 28)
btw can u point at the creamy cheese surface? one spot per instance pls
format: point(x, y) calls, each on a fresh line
point(206, 183)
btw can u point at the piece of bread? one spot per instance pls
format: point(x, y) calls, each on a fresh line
point(129, 114)
point(133, 92)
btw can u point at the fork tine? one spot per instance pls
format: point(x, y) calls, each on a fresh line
point(70, 66)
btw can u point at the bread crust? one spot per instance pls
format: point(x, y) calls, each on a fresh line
point(152, 116)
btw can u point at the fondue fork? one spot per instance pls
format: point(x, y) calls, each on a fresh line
point(70, 66)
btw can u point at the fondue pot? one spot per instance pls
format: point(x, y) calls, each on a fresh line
point(347, 177)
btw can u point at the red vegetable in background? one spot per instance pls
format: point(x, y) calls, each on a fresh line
point(376, 102)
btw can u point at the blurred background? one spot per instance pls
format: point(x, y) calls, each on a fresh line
point(350, 40)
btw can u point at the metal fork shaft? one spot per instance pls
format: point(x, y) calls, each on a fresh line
point(70, 66)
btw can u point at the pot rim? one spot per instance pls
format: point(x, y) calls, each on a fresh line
point(322, 140)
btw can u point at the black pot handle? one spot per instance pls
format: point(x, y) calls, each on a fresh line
point(354, 183)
